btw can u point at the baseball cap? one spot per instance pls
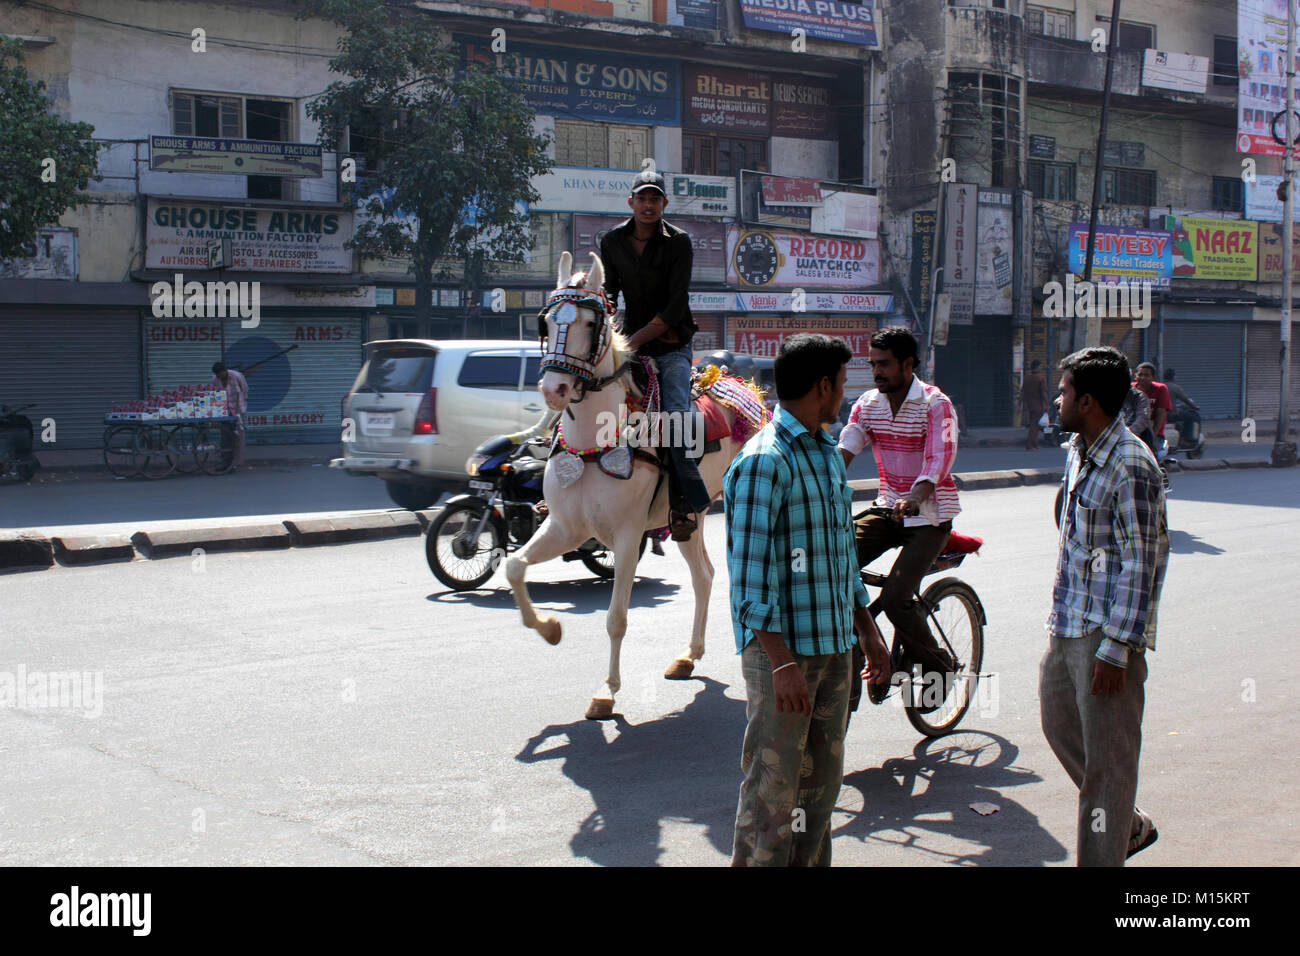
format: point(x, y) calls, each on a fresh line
point(649, 179)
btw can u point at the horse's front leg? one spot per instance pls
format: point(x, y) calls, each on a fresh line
point(702, 584)
point(550, 541)
point(625, 559)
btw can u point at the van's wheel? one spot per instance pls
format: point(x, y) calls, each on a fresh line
point(413, 497)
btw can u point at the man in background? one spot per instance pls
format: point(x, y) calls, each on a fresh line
point(1033, 396)
point(236, 387)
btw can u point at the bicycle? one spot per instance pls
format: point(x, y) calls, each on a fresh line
point(957, 620)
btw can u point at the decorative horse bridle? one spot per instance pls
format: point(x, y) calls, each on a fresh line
point(561, 310)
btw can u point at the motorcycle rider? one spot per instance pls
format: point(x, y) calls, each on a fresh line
point(1161, 406)
point(1183, 418)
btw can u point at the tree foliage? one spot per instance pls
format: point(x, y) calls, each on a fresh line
point(33, 192)
point(454, 144)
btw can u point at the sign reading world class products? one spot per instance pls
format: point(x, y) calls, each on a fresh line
point(587, 83)
point(846, 22)
point(261, 240)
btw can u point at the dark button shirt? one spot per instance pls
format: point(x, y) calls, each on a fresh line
point(654, 282)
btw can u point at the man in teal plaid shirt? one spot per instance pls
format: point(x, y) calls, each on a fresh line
point(796, 602)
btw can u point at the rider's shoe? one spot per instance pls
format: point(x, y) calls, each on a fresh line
point(947, 671)
point(876, 693)
point(683, 526)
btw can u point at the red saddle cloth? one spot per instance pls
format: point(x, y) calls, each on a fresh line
point(715, 418)
point(962, 543)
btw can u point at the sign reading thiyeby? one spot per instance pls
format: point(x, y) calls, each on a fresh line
point(1121, 254)
point(261, 240)
point(240, 157)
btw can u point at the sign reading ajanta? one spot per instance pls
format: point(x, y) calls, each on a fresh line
point(261, 240)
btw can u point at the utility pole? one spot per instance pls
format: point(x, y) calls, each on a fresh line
point(1101, 158)
point(1284, 451)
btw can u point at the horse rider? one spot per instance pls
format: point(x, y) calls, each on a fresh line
point(649, 261)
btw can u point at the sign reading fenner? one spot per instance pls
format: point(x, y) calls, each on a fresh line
point(846, 22)
point(261, 240)
point(588, 84)
point(240, 157)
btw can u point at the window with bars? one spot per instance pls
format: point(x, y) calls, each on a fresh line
point(1051, 180)
point(1128, 187)
point(237, 117)
point(709, 154)
point(985, 126)
point(1044, 21)
point(1225, 61)
point(600, 145)
point(200, 114)
point(1228, 193)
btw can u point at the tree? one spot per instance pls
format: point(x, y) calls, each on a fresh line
point(453, 145)
point(45, 162)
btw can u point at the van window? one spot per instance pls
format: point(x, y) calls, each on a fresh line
point(393, 368)
point(532, 370)
point(482, 370)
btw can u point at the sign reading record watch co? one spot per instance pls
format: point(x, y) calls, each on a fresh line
point(846, 22)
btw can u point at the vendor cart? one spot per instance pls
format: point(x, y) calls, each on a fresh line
point(155, 448)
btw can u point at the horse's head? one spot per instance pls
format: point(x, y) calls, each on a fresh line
point(575, 333)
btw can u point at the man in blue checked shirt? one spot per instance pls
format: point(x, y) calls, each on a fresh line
point(796, 603)
point(1113, 548)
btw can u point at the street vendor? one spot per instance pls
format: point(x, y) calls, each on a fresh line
point(236, 387)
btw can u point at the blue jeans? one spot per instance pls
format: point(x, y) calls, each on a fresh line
point(675, 396)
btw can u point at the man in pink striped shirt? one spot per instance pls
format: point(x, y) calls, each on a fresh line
point(912, 429)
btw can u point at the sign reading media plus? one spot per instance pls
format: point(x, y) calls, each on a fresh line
point(846, 22)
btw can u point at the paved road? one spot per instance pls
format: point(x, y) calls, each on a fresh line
point(335, 705)
point(77, 500)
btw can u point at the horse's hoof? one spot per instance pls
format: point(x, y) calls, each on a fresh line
point(550, 630)
point(680, 670)
point(600, 709)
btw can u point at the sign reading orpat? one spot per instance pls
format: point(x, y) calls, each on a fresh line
point(846, 22)
point(261, 240)
point(240, 157)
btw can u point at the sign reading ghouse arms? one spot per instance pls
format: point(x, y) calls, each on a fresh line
point(261, 240)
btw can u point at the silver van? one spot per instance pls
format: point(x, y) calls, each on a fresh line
point(419, 408)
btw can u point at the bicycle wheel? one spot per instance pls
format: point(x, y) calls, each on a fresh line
point(184, 442)
point(119, 451)
point(957, 620)
point(153, 450)
point(211, 451)
point(457, 556)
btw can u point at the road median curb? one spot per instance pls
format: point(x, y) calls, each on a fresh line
point(249, 537)
point(306, 532)
point(92, 548)
point(25, 551)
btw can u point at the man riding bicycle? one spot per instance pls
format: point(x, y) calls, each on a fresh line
point(912, 429)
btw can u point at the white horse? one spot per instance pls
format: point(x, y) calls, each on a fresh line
point(585, 376)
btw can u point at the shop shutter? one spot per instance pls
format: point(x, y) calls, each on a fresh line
point(75, 364)
point(1207, 358)
point(1264, 372)
point(295, 396)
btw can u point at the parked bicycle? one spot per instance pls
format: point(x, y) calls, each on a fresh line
point(957, 620)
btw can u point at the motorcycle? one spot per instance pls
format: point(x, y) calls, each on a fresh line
point(499, 514)
point(16, 458)
point(1049, 429)
point(1189, 439)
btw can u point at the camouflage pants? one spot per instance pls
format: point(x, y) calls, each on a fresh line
point(793, 764)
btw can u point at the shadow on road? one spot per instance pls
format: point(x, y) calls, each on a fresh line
point(585, 595)
point(931, 792)
point(1183, 542)
point(683, 767)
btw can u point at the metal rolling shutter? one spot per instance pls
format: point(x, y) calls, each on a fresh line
point(75, 364)
point(295, 397)
point(1207, 358)
point(180, 351)
point(1264, 371)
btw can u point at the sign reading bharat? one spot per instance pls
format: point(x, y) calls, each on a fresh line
point(261, 240)
point(733, 100)
point(240, 157)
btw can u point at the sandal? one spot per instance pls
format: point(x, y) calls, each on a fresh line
point(683, 526)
